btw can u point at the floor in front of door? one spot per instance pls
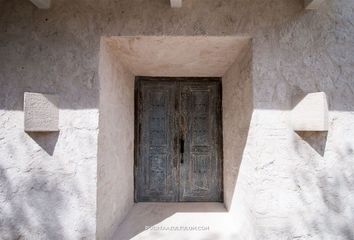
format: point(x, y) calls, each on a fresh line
point(207, 221)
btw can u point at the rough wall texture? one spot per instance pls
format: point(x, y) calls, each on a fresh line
point(47, 181)
point(303, 183)
point(115, 160)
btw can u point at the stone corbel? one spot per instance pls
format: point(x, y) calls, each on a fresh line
point(176, 3)
point(312, 4)
point(41, 4)
point(311, 113)
point(41, 113)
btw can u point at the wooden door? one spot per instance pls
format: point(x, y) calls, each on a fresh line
point(178, 140)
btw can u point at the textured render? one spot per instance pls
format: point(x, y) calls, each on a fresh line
point(41, 112)
point(50, 192)
point(200, 56)
point(311, 113)
point(115, 180)
point(47, 180)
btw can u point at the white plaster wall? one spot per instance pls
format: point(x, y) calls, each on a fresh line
point(115, 160)
point(47, 180)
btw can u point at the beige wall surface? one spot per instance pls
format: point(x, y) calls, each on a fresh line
point(237, 108)
point(298, 185)
point(115, 159)
point(177, 56)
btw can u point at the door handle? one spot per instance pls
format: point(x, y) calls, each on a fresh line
point(181, 144)
point(175, 146)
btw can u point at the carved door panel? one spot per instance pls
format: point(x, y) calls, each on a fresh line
point(200, 167)
point(178, 140)
point(156, 176)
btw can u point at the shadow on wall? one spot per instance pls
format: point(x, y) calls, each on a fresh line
point(34, 203)
point(325, 192)
point(46, 140)
point(73, 74)
point(316, 140)
point(37, 192)
point(295, 57)
point(237, 114)
point(324, 180)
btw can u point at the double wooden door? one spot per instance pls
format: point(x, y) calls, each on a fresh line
point(178, 146)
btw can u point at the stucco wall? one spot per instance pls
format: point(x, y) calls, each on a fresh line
point(48, 182)
point(304, 182)
point(115, 160)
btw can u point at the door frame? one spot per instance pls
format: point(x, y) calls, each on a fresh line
point(137, 81)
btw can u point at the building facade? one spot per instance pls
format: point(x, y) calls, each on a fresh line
point(78, 182)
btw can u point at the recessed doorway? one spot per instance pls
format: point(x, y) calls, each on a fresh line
point(178, 140)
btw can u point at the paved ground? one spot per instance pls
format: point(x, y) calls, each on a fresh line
point(196, 221)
